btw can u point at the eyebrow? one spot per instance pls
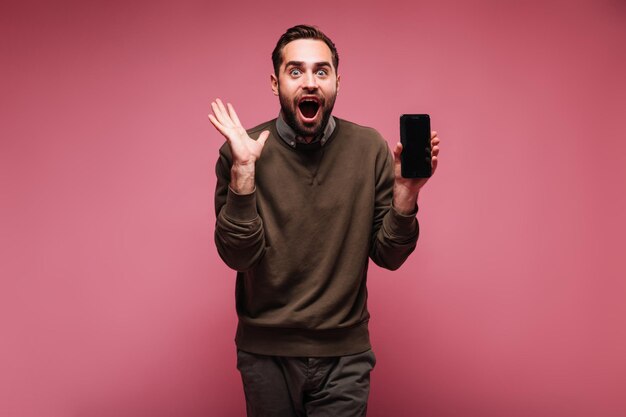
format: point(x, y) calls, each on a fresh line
point(301, 63)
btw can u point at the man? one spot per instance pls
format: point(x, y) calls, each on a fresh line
point(302, 201)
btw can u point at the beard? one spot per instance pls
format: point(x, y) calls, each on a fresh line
point(289, 107)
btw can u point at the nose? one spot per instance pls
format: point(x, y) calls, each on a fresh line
point(310, 83)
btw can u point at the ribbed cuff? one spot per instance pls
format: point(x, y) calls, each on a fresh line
point(240, 207)
point(398, 224)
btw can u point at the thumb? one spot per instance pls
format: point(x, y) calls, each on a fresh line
point(397, 151)
point(263, 137)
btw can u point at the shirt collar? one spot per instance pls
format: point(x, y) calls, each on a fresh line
point(288, 135)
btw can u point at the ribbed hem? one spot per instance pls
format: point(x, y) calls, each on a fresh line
point(240, 207)
point(303, 342)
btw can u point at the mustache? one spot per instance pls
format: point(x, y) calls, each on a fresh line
point(321, 99)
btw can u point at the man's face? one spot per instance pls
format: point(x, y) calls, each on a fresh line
point(307, 86)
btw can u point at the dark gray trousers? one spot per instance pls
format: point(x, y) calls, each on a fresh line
point(282, 386)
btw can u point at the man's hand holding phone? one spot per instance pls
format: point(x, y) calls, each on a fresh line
point(406, 190)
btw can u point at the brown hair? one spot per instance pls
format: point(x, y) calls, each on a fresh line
point(301, 32)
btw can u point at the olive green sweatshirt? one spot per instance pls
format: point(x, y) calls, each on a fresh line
point(300, 242)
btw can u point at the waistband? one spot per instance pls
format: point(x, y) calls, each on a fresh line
point(303, 342)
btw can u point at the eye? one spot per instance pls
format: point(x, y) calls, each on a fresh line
point(294, 71)
point(322, 72)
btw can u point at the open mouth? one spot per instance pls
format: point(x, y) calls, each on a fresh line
point(309, 107)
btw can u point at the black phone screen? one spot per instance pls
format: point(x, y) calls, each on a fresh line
point(415, 139)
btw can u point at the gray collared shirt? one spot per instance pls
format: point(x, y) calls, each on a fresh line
point(288, 135)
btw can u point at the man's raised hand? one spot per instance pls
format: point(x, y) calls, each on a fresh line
point(245, 150)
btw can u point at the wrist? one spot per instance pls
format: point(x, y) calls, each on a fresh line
point(243, 167)
point(242, 178)
point(404, 202)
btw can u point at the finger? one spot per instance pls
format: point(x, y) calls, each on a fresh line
point(434, 141)
point(433, 134)
point(218, 125)
point(263, 137)
point(227, 120)
point(435, 151)
point(434, 162)
point(397, 151)
point(233, 115)
point(219, 116)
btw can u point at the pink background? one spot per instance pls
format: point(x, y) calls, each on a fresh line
point(113, 301)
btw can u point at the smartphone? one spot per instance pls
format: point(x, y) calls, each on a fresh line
point(415, 139)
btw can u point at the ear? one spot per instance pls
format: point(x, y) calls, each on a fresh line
point(274, 83)
point(338, 80)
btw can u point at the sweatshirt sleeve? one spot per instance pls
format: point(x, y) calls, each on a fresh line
point(239, 235)
point(394, 235)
